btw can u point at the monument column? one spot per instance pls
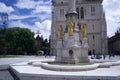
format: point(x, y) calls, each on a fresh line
point(69, 48)
point(72, 4)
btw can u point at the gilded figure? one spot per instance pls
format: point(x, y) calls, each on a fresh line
point(71, 26)
point(60, 32)
point(84, 30)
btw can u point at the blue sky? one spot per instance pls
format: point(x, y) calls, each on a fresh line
point(36, 14)
point(32, 14)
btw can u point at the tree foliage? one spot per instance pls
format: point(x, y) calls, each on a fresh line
point(18, 40)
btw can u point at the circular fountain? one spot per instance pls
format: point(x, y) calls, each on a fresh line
point(72, 47)
point(94, 64)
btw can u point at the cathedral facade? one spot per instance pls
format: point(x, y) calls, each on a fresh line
point(89, 12)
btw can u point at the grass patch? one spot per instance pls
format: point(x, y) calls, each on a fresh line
point(9, 56)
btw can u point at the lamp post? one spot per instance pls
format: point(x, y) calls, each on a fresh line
point(4, 18)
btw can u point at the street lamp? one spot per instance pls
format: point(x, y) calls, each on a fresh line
point(4, 18)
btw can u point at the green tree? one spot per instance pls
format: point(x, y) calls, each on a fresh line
point(2, 41)
point(19, 40)
point(1, 44)
point(19, 50)
point(25, 39)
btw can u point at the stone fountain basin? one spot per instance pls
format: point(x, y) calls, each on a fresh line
point(58, 67)
point(69, 67)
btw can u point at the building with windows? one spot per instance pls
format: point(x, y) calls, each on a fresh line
point(89, 12)
point(114, 44)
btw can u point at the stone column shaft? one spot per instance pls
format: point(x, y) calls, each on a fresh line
point(72, 4)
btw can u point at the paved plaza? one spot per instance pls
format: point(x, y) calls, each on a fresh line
point(5, 62)
point(19, 64)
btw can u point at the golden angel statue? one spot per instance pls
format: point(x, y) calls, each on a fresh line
point(71, 26)
point(60, 32)
point(84, 30)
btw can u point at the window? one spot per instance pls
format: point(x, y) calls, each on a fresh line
point(71, 53)
point(82, 13)
point(77, 9)
point(93, 27)
point(93, 37)
point(62, 2)
point(61, 12)
point(92, 11)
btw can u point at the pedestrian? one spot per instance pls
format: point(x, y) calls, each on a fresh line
point(104, 56)
point(110, 56)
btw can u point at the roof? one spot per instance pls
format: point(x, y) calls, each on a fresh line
point(114, 38)
point(38, 37)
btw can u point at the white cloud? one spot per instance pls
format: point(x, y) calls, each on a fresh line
point(30, 4)
point(18, 24)
point(25, 4)
point(112, 10)
point(13, 16)
point(40, 9)
point(44, 27)
point(4, 8)
point(21, 17)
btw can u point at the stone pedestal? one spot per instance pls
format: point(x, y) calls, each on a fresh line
point(70, 50)
point(73, 55)
point(59, 51)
